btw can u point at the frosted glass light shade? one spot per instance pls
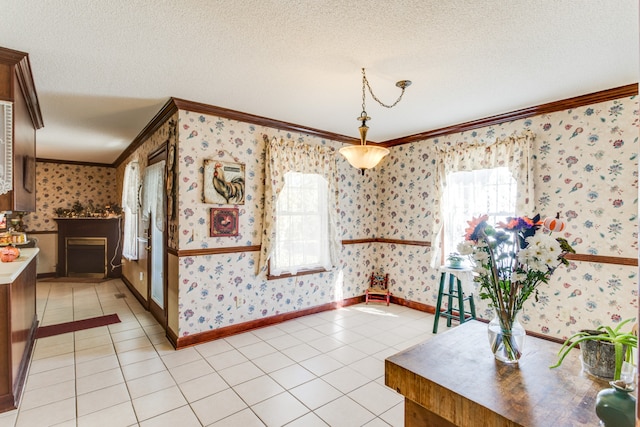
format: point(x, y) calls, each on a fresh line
point(363, 156)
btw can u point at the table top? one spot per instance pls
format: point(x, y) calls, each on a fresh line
point(455, 375)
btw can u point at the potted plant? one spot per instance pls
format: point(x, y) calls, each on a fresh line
point(454, 260)
point(603, 350)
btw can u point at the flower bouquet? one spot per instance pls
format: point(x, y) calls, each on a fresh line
point(510, 262)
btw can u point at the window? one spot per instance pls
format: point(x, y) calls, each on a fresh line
point(302, 226)
point(473, 193)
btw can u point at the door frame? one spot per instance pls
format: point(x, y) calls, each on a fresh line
point(159, 313)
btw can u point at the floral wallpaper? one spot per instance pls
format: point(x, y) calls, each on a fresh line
point(221, 290)
point(586, 169)
point(61, 185)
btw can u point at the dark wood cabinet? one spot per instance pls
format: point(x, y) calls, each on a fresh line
point(18, 88)
point(18, 324)
point(80, 250)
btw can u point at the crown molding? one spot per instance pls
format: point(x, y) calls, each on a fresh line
point(175, 104)
point(20, 62)
point(226, 113)
point(165, 113)
point(73, 162)
point(551, 107)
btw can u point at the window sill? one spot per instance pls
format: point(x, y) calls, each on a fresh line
point(299, 273)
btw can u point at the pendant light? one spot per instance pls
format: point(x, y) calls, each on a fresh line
point(365, 156)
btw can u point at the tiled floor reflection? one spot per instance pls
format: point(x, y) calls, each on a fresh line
point(319, 370)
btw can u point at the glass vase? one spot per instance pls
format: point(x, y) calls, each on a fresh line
point(506, 338)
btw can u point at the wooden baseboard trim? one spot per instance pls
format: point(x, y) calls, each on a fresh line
point(413, 304)
point(172, 337)
point(45, 275)
point(202, 337)
point(143, 302)
point(7, 403)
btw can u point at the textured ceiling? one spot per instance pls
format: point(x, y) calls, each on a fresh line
point(103, 69)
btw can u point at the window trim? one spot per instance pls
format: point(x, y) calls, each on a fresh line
point(312, 269)
point(302, 272)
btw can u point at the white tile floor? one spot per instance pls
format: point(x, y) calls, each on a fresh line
point(317, 370)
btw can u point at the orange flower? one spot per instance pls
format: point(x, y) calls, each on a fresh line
point(519, 223)
point(470, 233)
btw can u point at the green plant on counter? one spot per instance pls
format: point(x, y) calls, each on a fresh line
point(620, 341)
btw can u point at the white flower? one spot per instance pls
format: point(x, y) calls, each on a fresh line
point(465, 248)
point(481, 257)
point(541, 253)
point(518, 277)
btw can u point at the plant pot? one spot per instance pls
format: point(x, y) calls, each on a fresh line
point(598, 357)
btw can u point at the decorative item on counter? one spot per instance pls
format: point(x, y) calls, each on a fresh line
point(9, 253)
point(12, 237)
point(604, 351)
point(110, 210)
point(615, 406)
point(554, 223)
point(455, 260)
point(510, 263)
point(17, 223)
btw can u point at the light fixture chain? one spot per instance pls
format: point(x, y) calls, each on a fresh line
point(366, 82)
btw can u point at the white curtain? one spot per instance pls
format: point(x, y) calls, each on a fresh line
point(130, 188)
point(514, 152)
point(470, 194)
point(303, 213)
point(153, 198)
point(282, 157)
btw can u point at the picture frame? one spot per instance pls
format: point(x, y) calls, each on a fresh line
point(224, 182)
point(224, 222)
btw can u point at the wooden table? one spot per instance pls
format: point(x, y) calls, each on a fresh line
point(454, 380)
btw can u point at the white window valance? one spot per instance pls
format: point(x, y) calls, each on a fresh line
point(514, 152)
point(282, 157)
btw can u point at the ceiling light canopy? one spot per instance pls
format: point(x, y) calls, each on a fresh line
point(365, 156)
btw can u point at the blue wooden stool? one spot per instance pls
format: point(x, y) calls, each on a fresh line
point(454, 294)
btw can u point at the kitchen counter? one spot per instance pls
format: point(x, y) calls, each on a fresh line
point(9, 271)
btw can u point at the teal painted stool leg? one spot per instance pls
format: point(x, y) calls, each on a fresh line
point(460, 302)
point(450, 300)
point(472, 306)
point(438, 304)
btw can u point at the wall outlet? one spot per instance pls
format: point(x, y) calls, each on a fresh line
point(141, 275)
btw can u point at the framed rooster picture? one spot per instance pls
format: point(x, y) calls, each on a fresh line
point(224, 222)
point(223, 182)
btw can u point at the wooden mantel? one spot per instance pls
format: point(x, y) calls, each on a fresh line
point(454, 380)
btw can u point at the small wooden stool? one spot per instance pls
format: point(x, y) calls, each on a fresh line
point(455, 293)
